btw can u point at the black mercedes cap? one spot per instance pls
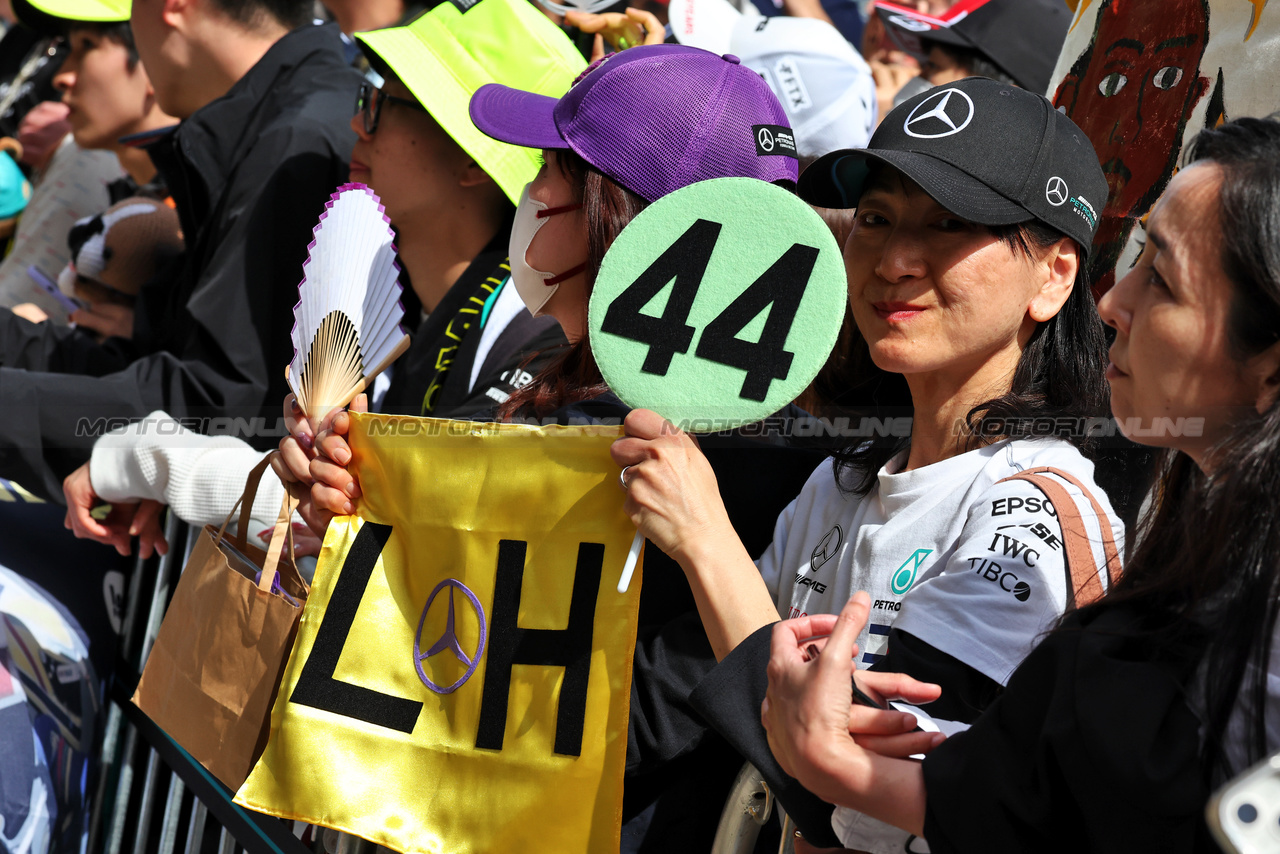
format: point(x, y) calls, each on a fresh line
point(991, 153)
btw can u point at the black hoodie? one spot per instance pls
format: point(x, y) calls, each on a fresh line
point(250, 173)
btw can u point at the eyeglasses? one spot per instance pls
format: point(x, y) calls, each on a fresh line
point(369, 103)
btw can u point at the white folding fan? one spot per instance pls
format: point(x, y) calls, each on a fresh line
point(346, 326)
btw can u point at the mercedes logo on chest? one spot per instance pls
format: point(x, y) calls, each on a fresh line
point(942, 114)
point(827, 548)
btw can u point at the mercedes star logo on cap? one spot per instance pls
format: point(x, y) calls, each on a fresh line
point(765, 138)
point(940, 115)
point(1057, 192)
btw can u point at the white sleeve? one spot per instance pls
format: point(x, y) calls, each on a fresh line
point(862, 832)
point(200, 477)
point(773, 563)
point(1002, 587)
point(770, 563)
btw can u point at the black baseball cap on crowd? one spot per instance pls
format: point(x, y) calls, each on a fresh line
point(989, 152)
point(1022, 37)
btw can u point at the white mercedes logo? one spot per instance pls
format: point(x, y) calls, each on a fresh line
point(940, 115)
point(765, 138)
point(1057, 192)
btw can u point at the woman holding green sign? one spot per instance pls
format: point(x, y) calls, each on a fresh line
point(976, 209)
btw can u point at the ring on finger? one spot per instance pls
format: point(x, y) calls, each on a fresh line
point(622, 476)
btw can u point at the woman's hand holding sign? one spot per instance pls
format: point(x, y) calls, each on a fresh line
point(672, 495)
point(673, 499)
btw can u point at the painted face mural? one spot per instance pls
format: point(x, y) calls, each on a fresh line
point(1132, 91)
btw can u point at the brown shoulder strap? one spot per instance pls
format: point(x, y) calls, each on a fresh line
point(1109, 550)
point(1083, 585)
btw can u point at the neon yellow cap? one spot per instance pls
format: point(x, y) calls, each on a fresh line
point(90, 11)
point(447, 53)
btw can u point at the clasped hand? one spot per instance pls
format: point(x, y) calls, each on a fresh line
point(816, 732)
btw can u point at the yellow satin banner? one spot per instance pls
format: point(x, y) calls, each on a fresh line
point(461, 676)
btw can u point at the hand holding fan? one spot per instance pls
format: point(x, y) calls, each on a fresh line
point(346, 326)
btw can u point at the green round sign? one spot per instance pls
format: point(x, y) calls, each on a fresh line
point(718, 304)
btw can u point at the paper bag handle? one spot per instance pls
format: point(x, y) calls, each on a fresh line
point(284, 528)
point(245, 506)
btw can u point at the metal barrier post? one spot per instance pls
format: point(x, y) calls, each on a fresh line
point(172, 806)
point(748, 807)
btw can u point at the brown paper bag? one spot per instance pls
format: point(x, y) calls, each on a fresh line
point(212, 675)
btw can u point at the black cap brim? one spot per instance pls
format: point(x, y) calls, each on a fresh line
point(836, 180)
point(912, 40)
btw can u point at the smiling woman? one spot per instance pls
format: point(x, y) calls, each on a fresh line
point(966, 279)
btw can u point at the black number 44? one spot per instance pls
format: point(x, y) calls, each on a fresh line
point(779, 289)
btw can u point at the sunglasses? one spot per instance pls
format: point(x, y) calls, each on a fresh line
point(369, 103)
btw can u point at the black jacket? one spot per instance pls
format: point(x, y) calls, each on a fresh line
point(1093, 746)
point(250, 173)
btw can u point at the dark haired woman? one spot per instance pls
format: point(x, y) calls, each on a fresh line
point(968, 282)
point(1110, 735)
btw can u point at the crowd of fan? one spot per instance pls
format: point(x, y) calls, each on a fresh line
point(162, 168)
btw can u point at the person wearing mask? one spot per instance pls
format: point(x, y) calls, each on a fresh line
point(1112, 733)
point(597, 175)
point(264, 99)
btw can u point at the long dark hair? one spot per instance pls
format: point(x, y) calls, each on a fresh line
point(1059, 380)
point(1207, 560)
point(574, 376)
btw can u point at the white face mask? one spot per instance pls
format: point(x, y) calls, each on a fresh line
point(534, 286)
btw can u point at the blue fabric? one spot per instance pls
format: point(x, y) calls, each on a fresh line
point(843, 13)
point(14, 189)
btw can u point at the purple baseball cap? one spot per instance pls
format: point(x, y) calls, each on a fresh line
point(653, 118)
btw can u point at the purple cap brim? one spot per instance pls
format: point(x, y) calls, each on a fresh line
point(516, 117)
